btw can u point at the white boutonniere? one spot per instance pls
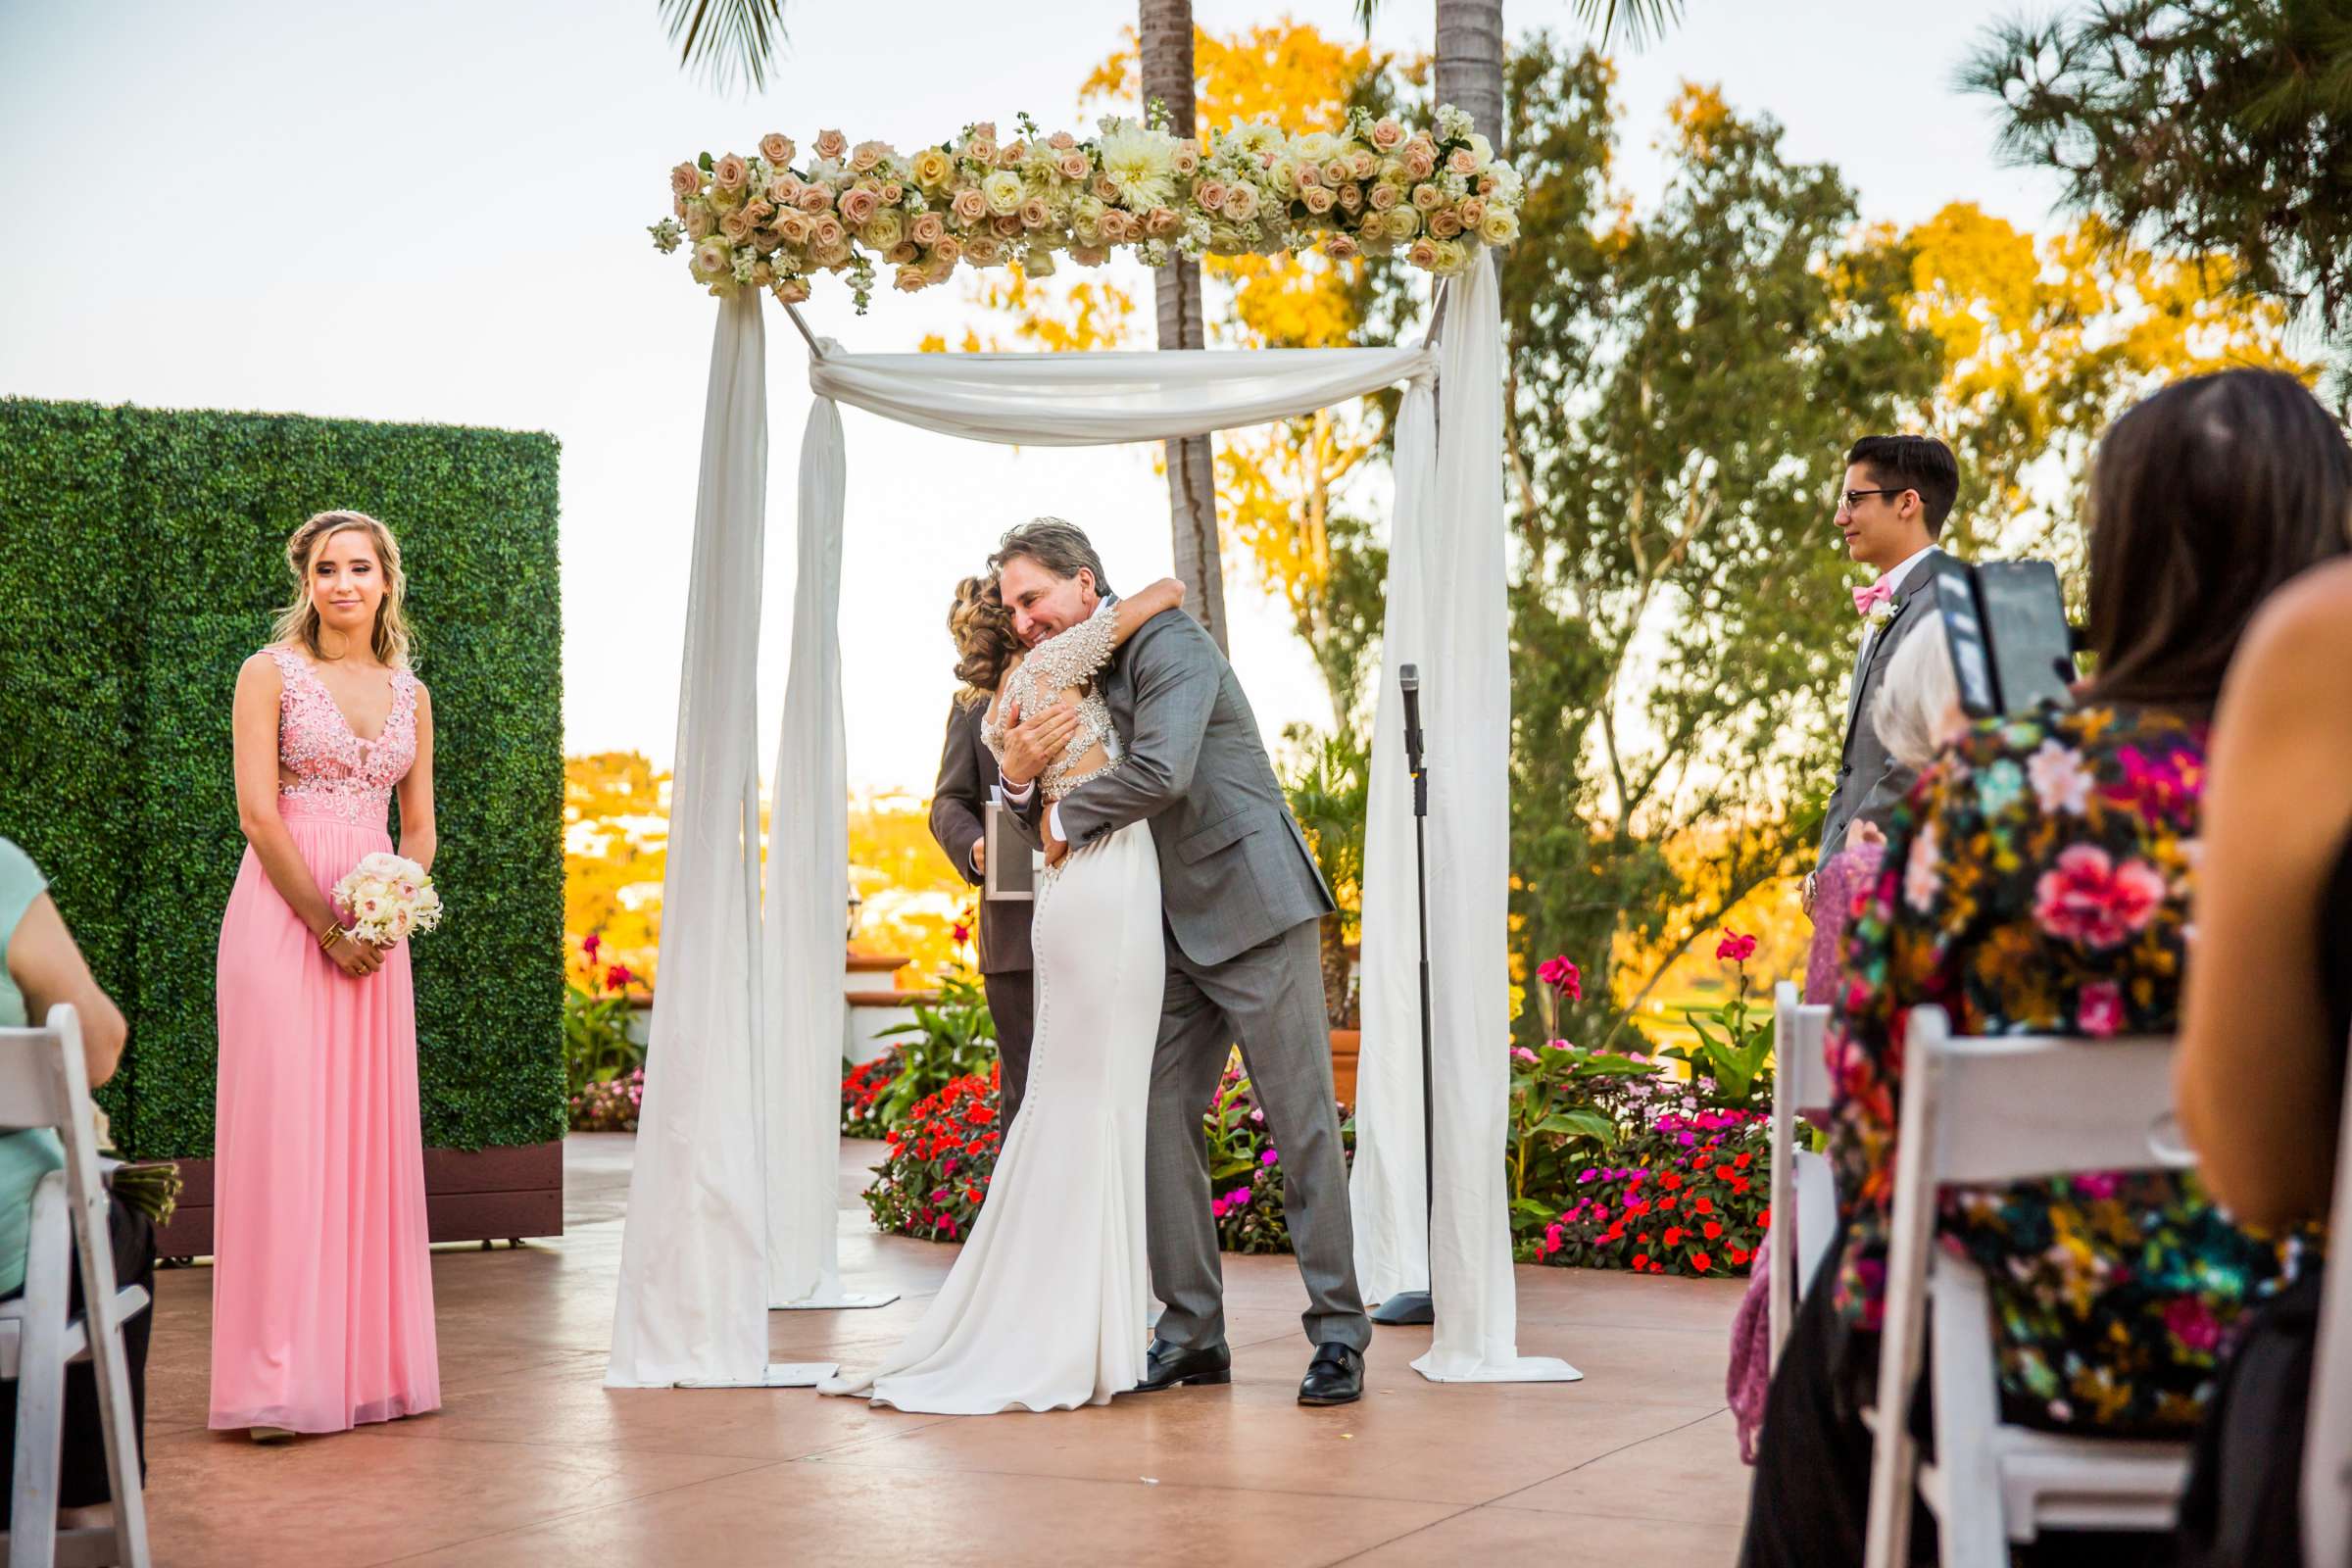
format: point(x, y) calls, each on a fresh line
point(1882, 613)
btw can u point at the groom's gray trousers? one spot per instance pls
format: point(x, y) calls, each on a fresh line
point(1270, 1001)
point(1242, 903)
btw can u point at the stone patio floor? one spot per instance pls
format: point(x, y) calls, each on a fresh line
point(533, 1461)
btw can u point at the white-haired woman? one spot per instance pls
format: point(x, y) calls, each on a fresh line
point(1917, 713)
point(322, 1291)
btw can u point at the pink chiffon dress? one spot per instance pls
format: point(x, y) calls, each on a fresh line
point(322, 1291)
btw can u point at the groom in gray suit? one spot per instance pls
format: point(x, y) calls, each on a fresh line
point(1242, 904)
point(1899, 490)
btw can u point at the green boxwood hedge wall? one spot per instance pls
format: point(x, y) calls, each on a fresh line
point(141, 561)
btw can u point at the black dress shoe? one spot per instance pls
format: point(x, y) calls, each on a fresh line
point(1335, 1375)
point(1168, 1365)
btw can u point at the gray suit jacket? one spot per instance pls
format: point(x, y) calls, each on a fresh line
point(1234, 868)
point(1870, 783)
point(967, 782)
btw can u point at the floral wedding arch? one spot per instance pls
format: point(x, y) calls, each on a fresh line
point(732, 1196)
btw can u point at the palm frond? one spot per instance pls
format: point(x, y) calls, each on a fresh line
point(727, 40)
point(1364, 10)
point(1638, 22)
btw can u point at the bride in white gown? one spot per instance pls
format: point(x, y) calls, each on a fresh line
point(1046, 1307)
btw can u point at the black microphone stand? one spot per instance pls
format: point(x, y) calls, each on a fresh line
point(1416, 1307)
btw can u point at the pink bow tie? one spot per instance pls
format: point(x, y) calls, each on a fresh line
point(1878, 593)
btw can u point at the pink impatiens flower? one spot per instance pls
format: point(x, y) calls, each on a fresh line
point(1562, 976)
point(1734, 948)
point(2088, 899)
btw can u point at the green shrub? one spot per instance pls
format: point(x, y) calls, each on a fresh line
point(141, 559)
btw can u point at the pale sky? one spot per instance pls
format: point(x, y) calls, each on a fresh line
point(436, 211)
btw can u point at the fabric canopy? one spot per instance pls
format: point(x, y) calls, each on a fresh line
point(746, 1143)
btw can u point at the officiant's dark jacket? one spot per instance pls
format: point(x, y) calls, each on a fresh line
point(1871, 784)
point(967, 782)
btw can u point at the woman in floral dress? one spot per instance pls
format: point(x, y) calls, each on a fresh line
point(2037, 882)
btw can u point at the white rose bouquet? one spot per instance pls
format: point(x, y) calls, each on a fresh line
point(387, 899)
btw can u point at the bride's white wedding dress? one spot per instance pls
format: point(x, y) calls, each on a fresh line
point(1046, 1307)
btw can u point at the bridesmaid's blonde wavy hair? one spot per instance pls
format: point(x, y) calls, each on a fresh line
point(985, 643)
point(393, 644)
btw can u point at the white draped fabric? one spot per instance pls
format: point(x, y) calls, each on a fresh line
point(693, 1302)
point(1446, 615)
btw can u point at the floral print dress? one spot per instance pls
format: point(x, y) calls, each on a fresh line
point(2038, 881)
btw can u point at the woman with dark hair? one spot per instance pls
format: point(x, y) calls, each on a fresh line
point(2037, 882)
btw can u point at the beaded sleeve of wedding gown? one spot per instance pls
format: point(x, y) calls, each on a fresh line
point(1064, 661)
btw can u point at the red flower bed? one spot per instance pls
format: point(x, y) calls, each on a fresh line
point(932, 1181)
point(1688, 1195)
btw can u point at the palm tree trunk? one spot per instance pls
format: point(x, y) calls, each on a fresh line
point(1164, 30)
point(1470, 62)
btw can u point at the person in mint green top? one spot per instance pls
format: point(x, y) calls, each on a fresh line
point(40, 966)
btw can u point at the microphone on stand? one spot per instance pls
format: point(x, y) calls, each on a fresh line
point(1416, 1307)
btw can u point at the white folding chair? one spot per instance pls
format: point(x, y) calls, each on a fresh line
point(1805, 1189)
point(44, 1084)
point(1986, 1112)
point(2328, 1434)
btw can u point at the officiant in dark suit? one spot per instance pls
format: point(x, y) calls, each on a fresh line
point(1899, 490)
point(967, 782)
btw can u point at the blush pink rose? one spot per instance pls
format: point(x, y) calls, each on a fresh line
point(1187, 162)
point(1386, 136)
point(1241, 203)
point(1011, 154)
point(1385, 196)
point(1089, 255)
point(1428, 198)
point(968, 204)
point(1473, 213)
point(1161, 221)
point(903, 252)
point(793, 227)
point(984, 250)
point(1424, 254)
point(1106, 189)
point(831, 144)
point(1318, 199)
point(927, 229)
point(1340, 247)
point(1338, 172)
point(1445, 224)
point(776, 147)
point(730, 172)
point(827, 233)
point(1462, 161)
point(1035, 214)
point(910, 278)
point(868, 157)
point(792, 290)
point(1071, 165)
point(815, 199)
point(1363, 163)
point(981, 148)
point(892, 192)
point(1061, 141)
point(736, 227)
point(858, 204)
point(784, 190)
point(685, 181)
point(1420, 159)
point(2100, 1009)
point(1351, 197)
point(948, 250)
point(1210, 194)
point(2088, 897)
point(1007, 224)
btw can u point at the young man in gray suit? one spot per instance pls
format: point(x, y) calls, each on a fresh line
point(1899, 490)
point(967, 782)
point(1241, 905)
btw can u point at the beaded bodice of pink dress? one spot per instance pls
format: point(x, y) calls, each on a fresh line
point(322, 1301)
point(335, 773)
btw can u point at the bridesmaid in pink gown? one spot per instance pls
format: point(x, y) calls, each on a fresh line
point(323, 1293)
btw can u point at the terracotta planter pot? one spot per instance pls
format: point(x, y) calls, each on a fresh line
point(1344, 1042)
